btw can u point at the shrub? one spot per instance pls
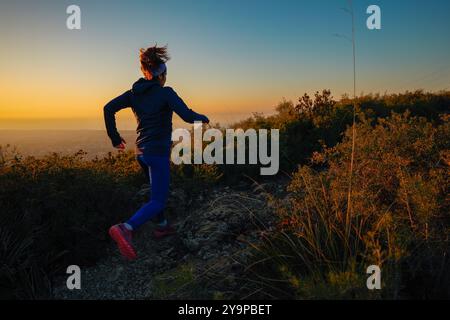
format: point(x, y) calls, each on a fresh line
point(321, 121)
point(398, 218)
point(55, 211)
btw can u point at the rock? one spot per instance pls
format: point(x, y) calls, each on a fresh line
point(241, 238)
point(115, 274)
point(191, 244)
point(168, 252)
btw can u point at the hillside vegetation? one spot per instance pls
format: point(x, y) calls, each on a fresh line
point(314, 241)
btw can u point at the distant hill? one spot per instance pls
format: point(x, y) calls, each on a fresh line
point(41, 142)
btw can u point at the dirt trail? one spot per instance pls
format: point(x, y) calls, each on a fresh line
point(203, 260)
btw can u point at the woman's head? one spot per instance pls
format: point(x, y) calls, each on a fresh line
point(153, 63)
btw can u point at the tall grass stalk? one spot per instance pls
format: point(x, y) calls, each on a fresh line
point(352, 158)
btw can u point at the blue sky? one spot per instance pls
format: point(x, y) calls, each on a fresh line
point(228, 57)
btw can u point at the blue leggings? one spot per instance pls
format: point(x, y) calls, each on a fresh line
point(159, 174)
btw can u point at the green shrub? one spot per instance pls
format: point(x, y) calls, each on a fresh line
point(398, 218)
point(321, 121)
point(196, 180)
point(55, 211)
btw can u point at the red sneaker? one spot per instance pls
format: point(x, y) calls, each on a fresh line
point(122, 236)
point(162, 232)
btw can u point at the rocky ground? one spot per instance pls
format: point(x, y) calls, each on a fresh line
point(205, 259)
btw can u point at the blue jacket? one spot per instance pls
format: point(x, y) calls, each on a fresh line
point(153, 107)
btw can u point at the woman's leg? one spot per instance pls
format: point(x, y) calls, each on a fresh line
point(160, 218)
point(145, 169)
point(160, 175)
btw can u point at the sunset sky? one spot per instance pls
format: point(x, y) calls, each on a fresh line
point(229, 58)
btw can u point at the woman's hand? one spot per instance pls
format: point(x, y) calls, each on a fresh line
point(205, 119)
point(122, 145)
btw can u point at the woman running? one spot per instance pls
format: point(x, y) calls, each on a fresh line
point(153, 105)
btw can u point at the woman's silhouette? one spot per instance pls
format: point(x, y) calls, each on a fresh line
point(153, 105)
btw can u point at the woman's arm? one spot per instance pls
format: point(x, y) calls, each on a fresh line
point(109, 113)
point(181, 109)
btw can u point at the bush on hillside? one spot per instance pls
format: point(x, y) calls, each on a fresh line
point(398, 218)
point(55, 211)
